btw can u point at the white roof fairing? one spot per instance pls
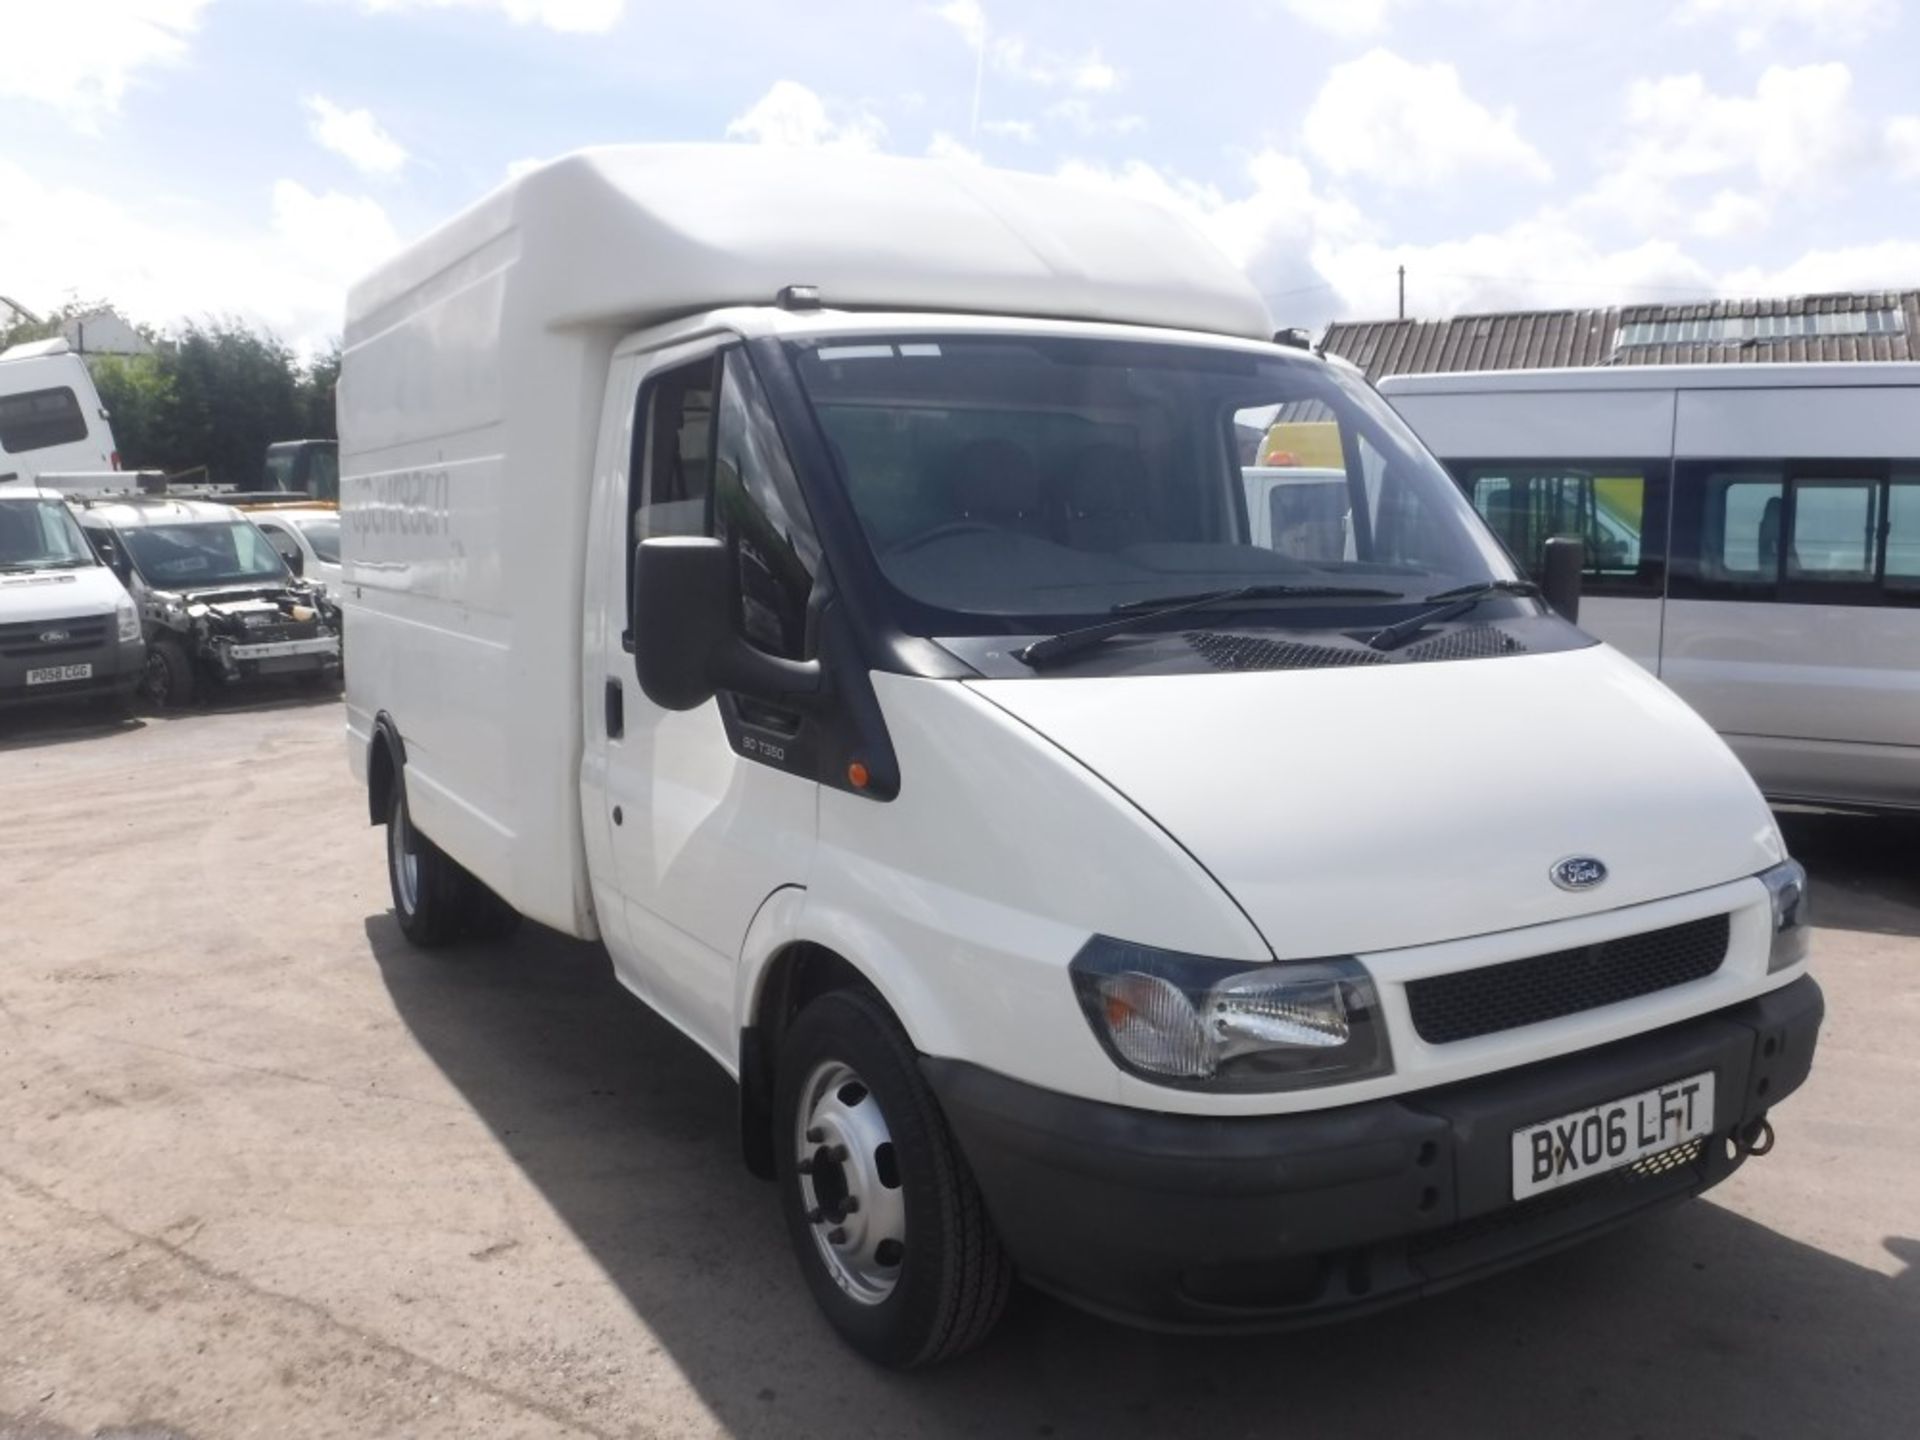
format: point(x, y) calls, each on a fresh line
point(633, 235)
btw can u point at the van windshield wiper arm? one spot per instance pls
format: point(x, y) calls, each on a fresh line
point(1457, 601)
point(1134, 613)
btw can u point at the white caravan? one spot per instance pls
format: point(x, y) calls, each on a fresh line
point(51, 418)
point(1752, 535)
point(827, 581)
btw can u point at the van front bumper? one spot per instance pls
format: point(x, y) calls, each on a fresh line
point(1193, 1222)
point(116, 664)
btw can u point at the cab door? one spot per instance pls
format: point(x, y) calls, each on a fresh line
point(705, 817)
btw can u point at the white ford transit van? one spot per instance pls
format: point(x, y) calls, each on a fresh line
point(829, 582)
point(68, 628)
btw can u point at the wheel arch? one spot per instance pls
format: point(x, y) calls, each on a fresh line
point(386, 758)
point(784, 969)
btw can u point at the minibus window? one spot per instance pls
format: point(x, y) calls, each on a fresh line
point(1751, 512)
point(35, 419)
point(1615, 507)
point(1903, 531)
point(1835, 527)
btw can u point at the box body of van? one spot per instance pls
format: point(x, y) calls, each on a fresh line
point(1752, 535)
point(834, 583)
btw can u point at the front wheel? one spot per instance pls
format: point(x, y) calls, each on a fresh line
point(886, 1219)
point(167, 681)
point(426, 883)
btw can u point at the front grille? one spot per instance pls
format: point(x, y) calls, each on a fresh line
point(274, 633)
point(1545, 987)
point(22, 640)
point(1250, 652)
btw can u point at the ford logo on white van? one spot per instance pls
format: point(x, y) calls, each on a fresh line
point(52, 637)
point(1578, 872)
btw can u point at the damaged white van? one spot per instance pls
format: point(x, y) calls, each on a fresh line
point(829, 581)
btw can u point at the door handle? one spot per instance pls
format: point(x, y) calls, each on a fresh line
point(616, 711)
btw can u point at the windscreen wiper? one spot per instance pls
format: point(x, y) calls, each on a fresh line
point(1457, 601)
point(1135, 613)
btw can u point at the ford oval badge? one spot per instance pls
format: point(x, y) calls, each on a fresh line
point(52, 637)
point(1578, 872)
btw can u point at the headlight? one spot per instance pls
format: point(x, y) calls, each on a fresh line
point(1787, 888)
point(1224, 1025)
point(128, 617)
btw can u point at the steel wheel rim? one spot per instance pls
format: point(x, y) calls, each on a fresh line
point(404, 859)
point(849, 1181)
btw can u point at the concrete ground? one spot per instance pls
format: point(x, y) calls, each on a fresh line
point(266, 1171)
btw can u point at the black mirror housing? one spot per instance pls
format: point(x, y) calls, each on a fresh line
point(684, 646)
point(1565, 559)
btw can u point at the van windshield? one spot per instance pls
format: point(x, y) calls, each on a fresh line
point(1011, 482)
point(204, 556)
point(40, 534)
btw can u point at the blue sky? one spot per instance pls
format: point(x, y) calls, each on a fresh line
point(251, 157)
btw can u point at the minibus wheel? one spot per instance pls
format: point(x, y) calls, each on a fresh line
point(885, 1217)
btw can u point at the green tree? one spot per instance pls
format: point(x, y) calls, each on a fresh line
point(236, 393)
point(322, 373)
point(139, 394)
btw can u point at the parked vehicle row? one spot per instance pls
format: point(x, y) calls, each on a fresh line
point(111, 585)
point(1752, 537)
point(851, 609)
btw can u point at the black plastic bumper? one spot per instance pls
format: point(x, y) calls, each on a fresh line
point(1191, 1222)
point(117, 667)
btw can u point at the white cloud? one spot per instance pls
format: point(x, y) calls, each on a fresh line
point(1797, 128)
point(1833, 22)
point(944, 147)
point(1025, 131)
point(1079, 115)
point(1886, 265)
point(791, 116)
point(967, 17)
point(1009, 54)
point(81, 59)
point(1903, 145)
point(287, 268)
point(1732, 214)
point(1407, 125)
point(1344, 19)
point(355, 136)
point(579, 17)
point(1093, 74)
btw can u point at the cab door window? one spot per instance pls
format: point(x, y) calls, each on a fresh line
point(710, 462)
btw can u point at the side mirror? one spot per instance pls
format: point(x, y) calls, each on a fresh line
point(296, 561)
point(1566, 558)
point(684, 645)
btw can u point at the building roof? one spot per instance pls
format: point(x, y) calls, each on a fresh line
point(633, 235)
point(1800, 329)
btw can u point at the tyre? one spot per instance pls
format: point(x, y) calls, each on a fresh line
point(884, 1215)
point(167, 681)
point(429, 888)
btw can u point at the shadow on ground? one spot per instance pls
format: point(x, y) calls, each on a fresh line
point(1865, 869)
point(1691, 1323)
point(76, 722)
